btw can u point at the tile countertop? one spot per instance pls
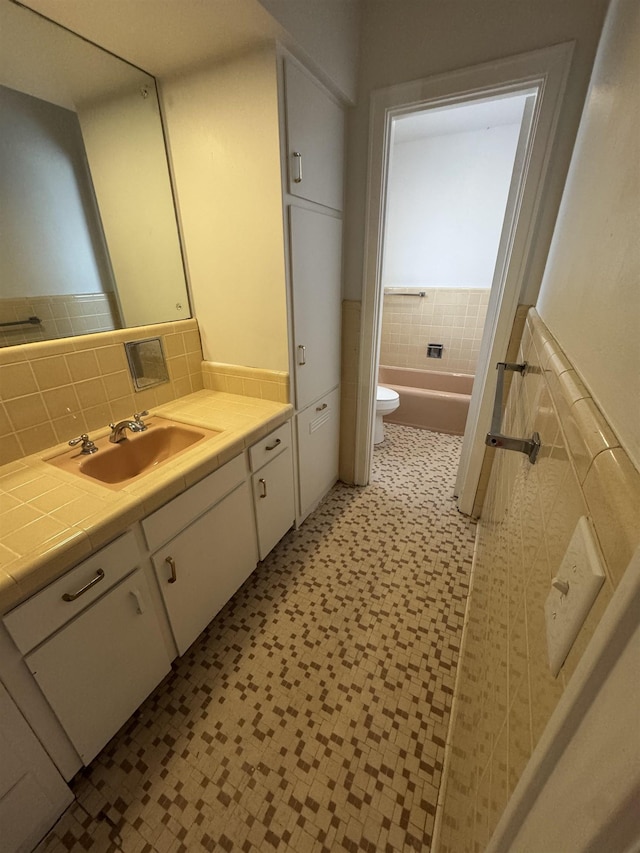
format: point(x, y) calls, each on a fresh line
point(51, 519)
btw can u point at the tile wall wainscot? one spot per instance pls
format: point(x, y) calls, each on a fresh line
point(53, 391)
point(452, 316)
point(247, 381)
point(60, 316)
point(505, 693)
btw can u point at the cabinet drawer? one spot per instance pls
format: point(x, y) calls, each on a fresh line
point(267, 449)
point(173, 517)
point(32, 622)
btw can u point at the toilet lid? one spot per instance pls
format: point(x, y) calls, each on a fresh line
point(387, 394)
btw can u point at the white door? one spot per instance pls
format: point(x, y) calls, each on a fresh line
point(497, 330)
point(316, 269)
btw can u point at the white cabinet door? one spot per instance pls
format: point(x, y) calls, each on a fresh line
point(33, 795)
point(100, 667)
point(203, 566)
point(316, 270)
point(315, 140)
point(273, 501)
point(318, 429)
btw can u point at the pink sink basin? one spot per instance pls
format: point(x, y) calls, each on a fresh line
point(115, 465)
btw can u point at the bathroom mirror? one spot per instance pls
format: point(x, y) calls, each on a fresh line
point(88, 231)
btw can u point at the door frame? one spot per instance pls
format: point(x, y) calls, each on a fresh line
point(545, 70)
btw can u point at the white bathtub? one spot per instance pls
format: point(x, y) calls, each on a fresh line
point(429, 399)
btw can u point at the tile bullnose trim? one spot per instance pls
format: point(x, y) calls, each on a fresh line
point(586, 430)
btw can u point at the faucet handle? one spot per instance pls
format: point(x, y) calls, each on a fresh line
point(87, 445)
point(138, 416)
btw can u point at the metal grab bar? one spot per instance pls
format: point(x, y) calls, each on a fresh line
point(389, 291)
point(495, 438)
point(33, 321)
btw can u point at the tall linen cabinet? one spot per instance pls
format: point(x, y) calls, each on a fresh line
point(257, 148)
point(312, 143)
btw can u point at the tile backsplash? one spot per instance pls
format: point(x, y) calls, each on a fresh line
point(451, 316)
point(52, 391)
point(505, 692)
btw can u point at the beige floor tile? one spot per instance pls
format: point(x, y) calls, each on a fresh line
point(312, 714)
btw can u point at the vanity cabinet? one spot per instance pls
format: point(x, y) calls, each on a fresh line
point(98, 660)
point(202, 566)
point(272, 485)
point(33, 794)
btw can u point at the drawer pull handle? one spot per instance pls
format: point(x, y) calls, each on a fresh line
point(71, 596)
point(172, 564)
point(322, 407)
point(263, 483)
point(297, 162)
point(274, 445)
point(302, 354)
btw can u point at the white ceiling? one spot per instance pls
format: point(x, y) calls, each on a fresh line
point(461, 118)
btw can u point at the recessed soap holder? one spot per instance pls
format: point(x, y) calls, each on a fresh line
point(434, 350)
point(147, 363)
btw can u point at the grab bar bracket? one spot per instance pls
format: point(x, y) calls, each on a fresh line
point(517, 367)
point(530, 446)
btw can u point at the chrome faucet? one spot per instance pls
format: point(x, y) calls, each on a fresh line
point(118, 430)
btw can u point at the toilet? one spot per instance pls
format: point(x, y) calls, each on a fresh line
point(387, 401)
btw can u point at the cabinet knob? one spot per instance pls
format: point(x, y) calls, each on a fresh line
point(322, 407)
point(172, 565)
point(297, 162)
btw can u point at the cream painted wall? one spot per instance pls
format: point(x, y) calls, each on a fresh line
point(222, 125)
point(446, 203)
point(590, 295)
point(403, 40)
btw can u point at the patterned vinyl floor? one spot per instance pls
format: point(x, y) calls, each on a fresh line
point(312, 714)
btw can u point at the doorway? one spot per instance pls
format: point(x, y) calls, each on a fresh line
point(450, 170)
point(541, 75)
